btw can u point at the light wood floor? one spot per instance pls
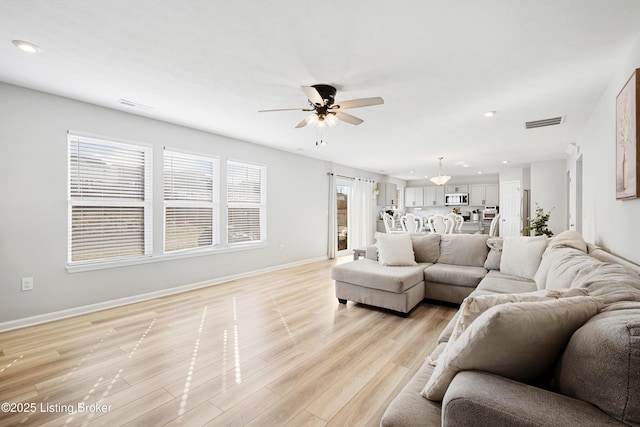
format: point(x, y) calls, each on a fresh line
point(271, 350)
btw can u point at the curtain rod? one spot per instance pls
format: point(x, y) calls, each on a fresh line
point(350, 177)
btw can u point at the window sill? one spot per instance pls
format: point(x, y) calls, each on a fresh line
point(78, 268)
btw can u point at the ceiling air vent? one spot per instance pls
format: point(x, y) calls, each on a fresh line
point(542, 123)
point(134, 104)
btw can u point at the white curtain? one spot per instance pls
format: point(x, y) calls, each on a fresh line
point(361, 223)
point(332, 243)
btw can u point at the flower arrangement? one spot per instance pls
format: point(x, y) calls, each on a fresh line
point(456, 210)
point(539, 223)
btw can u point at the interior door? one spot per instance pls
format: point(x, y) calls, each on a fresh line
point(510, 209)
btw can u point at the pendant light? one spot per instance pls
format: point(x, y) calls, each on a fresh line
point(440, 179)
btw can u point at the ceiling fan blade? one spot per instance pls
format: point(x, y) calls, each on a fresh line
point(348, 118)
point(313, 95)
point(355, 103)
point(304, 122)
point(285, 109)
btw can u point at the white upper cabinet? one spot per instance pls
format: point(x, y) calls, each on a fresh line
point(461, 188)
point(492, 194)
point(413, 197)
point(484, 195)
point(434, 196)
point(387, 194)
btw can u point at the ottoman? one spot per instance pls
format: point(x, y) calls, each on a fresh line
point(367, 282)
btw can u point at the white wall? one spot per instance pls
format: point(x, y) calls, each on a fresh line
point(33, 184)
point(608, 222)
point(548, 190)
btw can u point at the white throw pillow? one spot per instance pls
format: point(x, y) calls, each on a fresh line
point(520, 341)
point(521, 255)
point(395, 249)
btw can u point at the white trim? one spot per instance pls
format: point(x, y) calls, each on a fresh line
point(63, 314)
point(187, 253)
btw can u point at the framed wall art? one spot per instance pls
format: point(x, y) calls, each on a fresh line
point(627, 131)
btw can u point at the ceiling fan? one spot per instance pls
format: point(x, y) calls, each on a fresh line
point(325, 111)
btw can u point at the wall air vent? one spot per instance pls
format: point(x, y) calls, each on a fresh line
point(132, 104)
point(542, 123)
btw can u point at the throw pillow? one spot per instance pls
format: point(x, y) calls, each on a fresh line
point(473, 306)
point(395, 249)
point(520, 341)
point(495, 253)
point(521, 255)
point(426, 247)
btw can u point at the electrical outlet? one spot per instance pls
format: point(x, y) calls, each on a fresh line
point(281, 247)
point(27, 283)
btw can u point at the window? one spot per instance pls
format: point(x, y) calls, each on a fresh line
point(191, 201)
point(246, 199)
point(109, 200)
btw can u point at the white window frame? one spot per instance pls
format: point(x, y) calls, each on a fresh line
point(76, 201)
point(261, 204)
point(184, 201)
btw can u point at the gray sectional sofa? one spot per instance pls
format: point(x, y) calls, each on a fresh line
point(550, 330)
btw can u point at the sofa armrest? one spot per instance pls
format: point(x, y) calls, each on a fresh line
point(372, 252)
point(481, 399)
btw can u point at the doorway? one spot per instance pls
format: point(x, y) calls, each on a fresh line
point(344, 190)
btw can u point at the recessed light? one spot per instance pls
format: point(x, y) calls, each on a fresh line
point(479, 172)
point(465, 165)
point(26, 46)
point(410, 171)
point(504, 162)
point(490, 113)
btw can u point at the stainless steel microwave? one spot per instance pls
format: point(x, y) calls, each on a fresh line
point(456, 199)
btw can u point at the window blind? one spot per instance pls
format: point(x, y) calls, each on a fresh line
point(191, 201)
point(109, 200)
point(246, 200)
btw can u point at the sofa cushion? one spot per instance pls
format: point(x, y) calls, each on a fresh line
point(518, 340)
point(495, 253)
point(459, 275)
point(370, 274)
point(569, 239)
point(610, 282)
point(601, 364)
point(426, 247)
point(559, 267)
point(521, 255)
point(498, 282)
point(395, 249)
point(463, 249)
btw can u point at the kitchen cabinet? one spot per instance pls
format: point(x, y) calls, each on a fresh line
point(492, 194)
point(413, 196)
point(387, 194)
point(462, 188)
point(433, 196)
point(484, 195)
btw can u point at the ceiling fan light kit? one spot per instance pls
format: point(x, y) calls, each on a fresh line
point(440, 179)
point(324, 110)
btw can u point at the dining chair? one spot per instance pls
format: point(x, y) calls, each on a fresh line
point(494, 227)
point(459, 223)
point(411, 223)
point(438, 224)
point(389, 224)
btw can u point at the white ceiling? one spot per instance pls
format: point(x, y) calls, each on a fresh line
point(439, 65)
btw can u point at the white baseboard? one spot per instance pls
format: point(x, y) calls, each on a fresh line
point(76, 311)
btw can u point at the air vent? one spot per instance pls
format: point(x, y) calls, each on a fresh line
point(132, 104)
point(542, 123)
